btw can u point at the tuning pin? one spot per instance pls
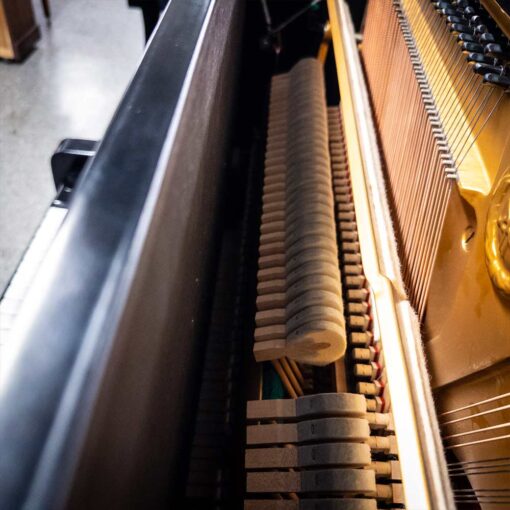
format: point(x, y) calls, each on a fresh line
point(460, 28)
point(481, 29)
point(496, 51)
point(463, 37)
point(487, 37)
point(454, 19)
point(476, 19)
point(453, 12)
point(470, 47)
point(442, 5)
point(497, 80)
point(487, 69)
point(479, 58)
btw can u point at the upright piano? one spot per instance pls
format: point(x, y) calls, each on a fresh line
point(281, 280)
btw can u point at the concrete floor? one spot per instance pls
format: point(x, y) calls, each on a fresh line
point(69, 87)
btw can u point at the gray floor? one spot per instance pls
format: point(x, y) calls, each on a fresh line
point(68, 88)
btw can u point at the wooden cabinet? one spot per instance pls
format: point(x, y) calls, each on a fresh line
point(18, 29)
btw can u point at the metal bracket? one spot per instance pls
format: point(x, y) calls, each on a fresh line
point(67, 163)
